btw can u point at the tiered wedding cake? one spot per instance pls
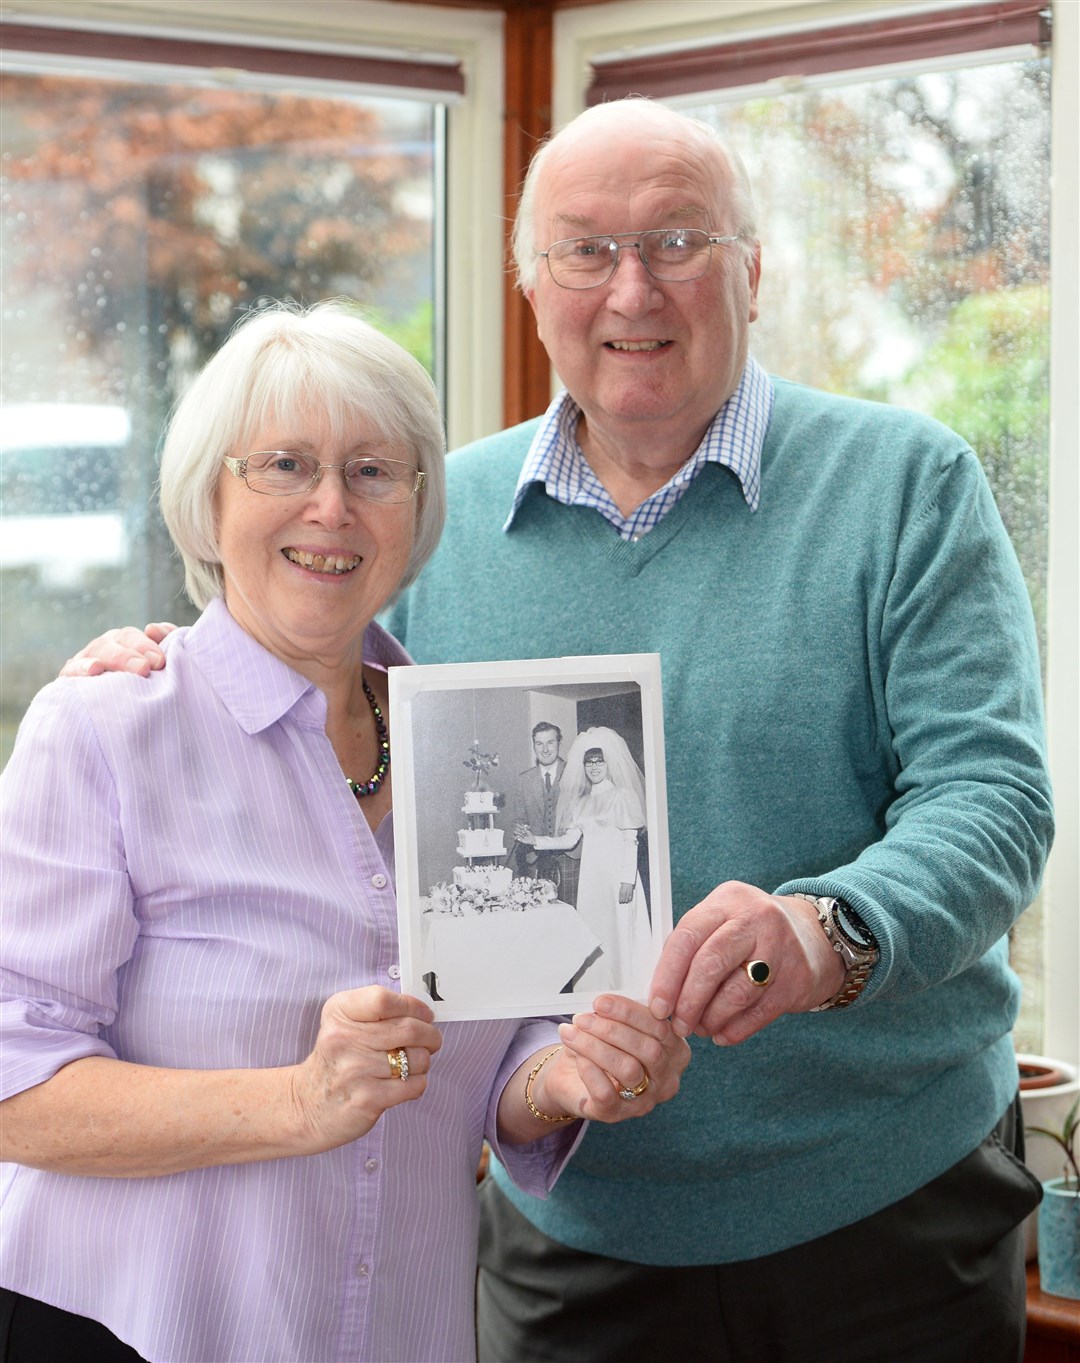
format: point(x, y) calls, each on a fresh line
point(481, 844)
point(483, 884)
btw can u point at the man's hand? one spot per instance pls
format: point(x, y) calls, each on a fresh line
point(701, 981)
point(120, 650)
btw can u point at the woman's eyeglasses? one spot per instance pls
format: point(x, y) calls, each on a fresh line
point(286, 473)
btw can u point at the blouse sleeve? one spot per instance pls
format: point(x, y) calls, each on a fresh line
point(535, 1166)
point(68, 913)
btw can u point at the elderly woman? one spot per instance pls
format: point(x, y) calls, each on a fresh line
point(230, 1136)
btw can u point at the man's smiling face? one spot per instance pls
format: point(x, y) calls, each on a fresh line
point(638, 350)
point(546, 747)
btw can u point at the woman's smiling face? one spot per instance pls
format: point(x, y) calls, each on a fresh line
point(595, 766)
point(305, 574)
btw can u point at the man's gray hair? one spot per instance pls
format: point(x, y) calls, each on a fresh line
point(287, 363)
point(707, 140)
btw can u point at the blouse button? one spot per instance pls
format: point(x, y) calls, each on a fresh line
point(394, 972)
point(363, 1270)
point(379, 881)
point(371, 1165)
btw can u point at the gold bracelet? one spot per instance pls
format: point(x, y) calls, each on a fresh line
point(544, 1117)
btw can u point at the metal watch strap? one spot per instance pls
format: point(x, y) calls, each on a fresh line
point(859, 962)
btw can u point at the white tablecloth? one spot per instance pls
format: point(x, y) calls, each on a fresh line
point(505, 958)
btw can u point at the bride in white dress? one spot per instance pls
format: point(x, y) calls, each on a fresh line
point(602, 806)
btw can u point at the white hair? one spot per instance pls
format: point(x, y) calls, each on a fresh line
point(281, 363)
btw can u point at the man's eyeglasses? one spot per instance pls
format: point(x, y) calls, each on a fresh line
point(284, 473)
point(671, 254)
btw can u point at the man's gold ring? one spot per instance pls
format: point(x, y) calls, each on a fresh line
point(399, 1063)
point(759, 973)
point(628, 1095)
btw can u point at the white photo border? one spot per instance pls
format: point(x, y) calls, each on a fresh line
point(405, 685)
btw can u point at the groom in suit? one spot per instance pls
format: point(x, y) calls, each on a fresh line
point(536, 798)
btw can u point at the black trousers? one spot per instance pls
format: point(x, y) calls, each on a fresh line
point(33, 1332)
point(936, 1278)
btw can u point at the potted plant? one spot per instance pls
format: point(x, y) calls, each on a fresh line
point(1036, 1072)
point(1059, 1213)
point(1048, 1087)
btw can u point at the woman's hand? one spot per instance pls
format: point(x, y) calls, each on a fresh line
point(120, 650)
point(346, 1083)
point(610, 1049)
point(101, 1116)
point(626, 892)
point(523, 833)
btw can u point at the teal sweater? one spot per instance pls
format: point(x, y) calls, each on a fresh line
point(852, 706)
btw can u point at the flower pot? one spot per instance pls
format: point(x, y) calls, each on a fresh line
point(1059, 1238)
point(1035, 1073)
point(1043, 1104)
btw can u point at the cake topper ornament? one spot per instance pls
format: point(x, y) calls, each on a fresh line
point(480, 762)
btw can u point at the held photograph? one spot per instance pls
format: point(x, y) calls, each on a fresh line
point(530, 832)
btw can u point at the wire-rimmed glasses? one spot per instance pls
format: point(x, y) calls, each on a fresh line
point(671, 254)
point(285, 473)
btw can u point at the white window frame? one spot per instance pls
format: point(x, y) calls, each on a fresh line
point(591, 32)
point(474, 195)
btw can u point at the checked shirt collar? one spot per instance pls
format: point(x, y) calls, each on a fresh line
point(734, 438)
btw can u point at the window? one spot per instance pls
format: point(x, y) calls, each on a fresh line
point(155, 182)
point(141, 219)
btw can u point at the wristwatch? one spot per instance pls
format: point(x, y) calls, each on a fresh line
point(852, 941)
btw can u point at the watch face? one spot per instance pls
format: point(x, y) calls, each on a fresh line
point(852, 926)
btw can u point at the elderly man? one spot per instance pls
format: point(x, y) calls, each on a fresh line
point(857, 784)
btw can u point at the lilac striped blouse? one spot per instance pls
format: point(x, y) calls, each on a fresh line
point(186, 879)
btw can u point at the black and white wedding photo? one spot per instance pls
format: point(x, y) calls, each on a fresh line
point(531, 832)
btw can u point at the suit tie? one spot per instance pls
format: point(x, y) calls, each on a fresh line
point(547, 781)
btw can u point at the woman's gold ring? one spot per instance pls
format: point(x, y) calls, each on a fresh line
point(759, 973)
point(628, 1095)
point(399, 1063)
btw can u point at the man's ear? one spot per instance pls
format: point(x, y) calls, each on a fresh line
point(753, 270)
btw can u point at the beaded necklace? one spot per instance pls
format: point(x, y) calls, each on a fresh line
point(369, 787)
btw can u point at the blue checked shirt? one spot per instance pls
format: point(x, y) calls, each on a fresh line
point(734, 439)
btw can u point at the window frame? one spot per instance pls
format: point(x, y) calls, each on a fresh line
point(588, 34)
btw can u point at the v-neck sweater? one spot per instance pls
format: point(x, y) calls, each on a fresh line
point(852, 706)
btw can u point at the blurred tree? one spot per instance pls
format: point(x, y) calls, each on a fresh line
point(884, 204)
point(987, 375)
point(139, 221)
point(183, 204)
point(415, 332)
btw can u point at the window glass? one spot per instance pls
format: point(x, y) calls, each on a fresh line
point(905, 240)
point(139, 221)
